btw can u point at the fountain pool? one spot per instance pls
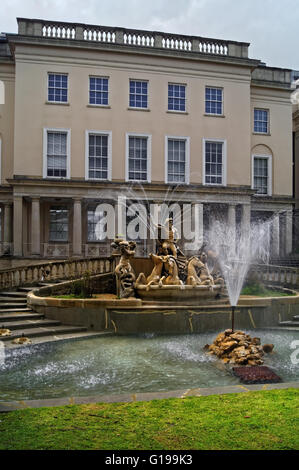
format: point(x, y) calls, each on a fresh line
point(116, 365)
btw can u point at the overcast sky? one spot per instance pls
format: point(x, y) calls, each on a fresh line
point(271, 26)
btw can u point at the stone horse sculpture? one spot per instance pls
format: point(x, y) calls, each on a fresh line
point(155, 276)
point(124, 272)
point(171, 267)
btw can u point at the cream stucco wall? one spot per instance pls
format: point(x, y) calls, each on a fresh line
point(22, 123)
point(278, 143)
point(33, 114)
point(7, 76)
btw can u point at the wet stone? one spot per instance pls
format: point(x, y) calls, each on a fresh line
point(256, 375)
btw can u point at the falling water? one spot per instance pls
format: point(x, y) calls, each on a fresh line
point(237, 251)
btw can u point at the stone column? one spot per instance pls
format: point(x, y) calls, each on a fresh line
point(35, 226)
point(231, 221)
point(275, 236)
point(18, 226)
point(77, 227)
point(288, 232)
point(245, 220)
point(7, 223)
point(7, 228)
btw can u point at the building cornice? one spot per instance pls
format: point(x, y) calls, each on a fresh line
point(20, 180)
point(15, 40)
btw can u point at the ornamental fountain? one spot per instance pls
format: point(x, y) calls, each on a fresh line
point(174, 277)
point(176, 280)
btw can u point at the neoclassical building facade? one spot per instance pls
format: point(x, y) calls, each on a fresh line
point(92, 113)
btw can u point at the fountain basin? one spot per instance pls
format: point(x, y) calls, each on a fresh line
point(185, 295)
point(129, 364)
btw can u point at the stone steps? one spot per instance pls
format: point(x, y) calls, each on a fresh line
point(44, 331)
point(15, 294)
point(12, 299)
point(72, 336)
point(15, 310)
point(24, 322)
point(19, 316)
point(29, 324)
point(10, 305)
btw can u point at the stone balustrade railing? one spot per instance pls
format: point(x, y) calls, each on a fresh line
point(284, 276)
point(52, 271)
point(130, 37)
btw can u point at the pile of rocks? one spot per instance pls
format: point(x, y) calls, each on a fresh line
point(238, 348)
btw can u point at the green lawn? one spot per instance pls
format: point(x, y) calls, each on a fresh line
point(261, 291)
point(254, 420)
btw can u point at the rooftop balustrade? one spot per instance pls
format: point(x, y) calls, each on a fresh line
point(130, 37)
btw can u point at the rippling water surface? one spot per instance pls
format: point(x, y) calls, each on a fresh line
point(114, 365)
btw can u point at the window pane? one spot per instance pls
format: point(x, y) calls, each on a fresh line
point(176, 97)
point(57, 87)
point(98, 156)
point(98, 90)
point(261, 121)
point(56, 154)
point(176, 160)
point(137, 158)
point(260, 175)
point(213, 162)
point(213, 100)
point(138, 94)
point(58, 229)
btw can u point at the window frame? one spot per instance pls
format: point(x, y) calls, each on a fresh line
point(222, 101)
point(187, 158)
point(149, 157)
point(89, 132)
point(268, 121)
point(95, 104)
point(67, 89)
point(224, 161)
point(45, 152)
point(147, 96)
point(56, 240)
point(185, 99)
point(269, 159)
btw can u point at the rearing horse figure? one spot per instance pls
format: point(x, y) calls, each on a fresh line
point(154, 277)
point(198, 272)
point(171, 268)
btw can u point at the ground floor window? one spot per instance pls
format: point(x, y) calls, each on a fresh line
point(96, 225)
point(59, 224)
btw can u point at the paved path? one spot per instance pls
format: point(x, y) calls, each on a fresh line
point(127, 398)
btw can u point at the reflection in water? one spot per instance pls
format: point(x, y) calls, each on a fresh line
point(128, 364)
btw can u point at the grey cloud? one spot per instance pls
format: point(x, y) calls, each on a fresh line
point(269, 25)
